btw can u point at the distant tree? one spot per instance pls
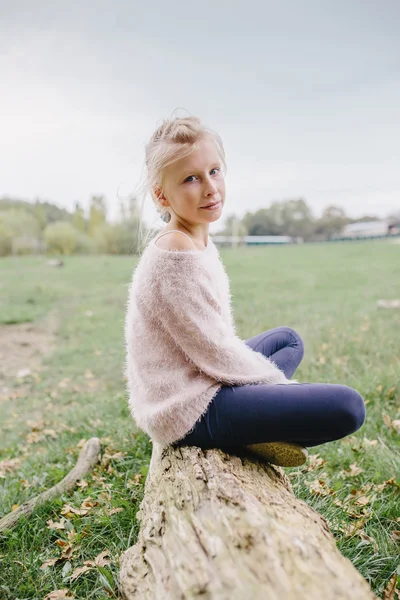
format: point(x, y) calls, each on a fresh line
point(20, 222)
point(97, 214)
point(117, 238)
point(84, 244)
point(297, 218)
point(261, 222)
point(6, 238)
point(78, 218)
point(233, 225)
point(52, 212)
point(39, 211)
point(331, 222)
point(61, 238)
point(44, 212)
point(129, 209)
point(133, 209)
point(123, 211)
point(18, 229)
point(290, 217)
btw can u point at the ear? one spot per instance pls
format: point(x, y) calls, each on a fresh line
point(160, 196)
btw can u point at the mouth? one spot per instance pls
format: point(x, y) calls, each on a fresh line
point(212, 206)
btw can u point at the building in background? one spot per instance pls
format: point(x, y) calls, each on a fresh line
point(367, 229)
point(253, 240)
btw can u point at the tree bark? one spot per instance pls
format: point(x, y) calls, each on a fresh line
point(219, 526)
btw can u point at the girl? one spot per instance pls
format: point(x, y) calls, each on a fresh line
point(191, 380)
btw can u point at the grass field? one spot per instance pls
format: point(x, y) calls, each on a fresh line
point(61, 382)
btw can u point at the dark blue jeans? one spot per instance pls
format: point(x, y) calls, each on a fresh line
point(306, 413)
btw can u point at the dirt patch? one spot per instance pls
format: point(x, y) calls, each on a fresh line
point(22, 348)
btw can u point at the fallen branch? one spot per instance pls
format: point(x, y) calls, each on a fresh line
point(88, 457)
point(215, 525)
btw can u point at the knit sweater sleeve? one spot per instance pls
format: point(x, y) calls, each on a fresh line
point(187, 307)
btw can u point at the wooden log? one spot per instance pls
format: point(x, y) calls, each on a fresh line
point(219, 526)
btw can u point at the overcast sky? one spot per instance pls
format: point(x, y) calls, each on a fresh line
point(305, 95)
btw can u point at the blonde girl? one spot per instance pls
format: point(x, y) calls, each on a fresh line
point(191, 379)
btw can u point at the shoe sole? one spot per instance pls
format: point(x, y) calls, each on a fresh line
point(284, 454)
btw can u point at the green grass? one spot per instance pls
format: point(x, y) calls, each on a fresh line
point(327, 292)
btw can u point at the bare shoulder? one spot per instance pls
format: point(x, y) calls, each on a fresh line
point(175, 241)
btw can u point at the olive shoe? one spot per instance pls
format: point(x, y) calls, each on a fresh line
point(284, 454)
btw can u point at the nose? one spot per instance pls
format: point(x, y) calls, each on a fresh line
point(210, 186)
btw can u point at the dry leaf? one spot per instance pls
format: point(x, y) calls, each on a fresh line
point(56, 525)
point(82, 484)
point(58, 594)
point(106, 496)
point(50, 562)
point(354, 470)
point(35, 425)
point(369, 539)
point(363, 500)
point(66, 427)
point(350, 529)
point(89, 503)
point(9, 465)
point(69, 549)
point(33, 437)
point(101, 560)
point(26, 484)
point(51, 433)
point(137, 478)
point(319, 487)
point(64, 383)
point(388, 592)
point(368, 442)
point(70, 511)
point(112, 511)
point(381, 486)
point(79, 571)
point(387, 420)
point(395, 536)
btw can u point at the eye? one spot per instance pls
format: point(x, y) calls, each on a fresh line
point(187, 178)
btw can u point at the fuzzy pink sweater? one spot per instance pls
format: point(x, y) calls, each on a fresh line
point(181, 343)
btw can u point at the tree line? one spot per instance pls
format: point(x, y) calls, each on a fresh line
point(295, 218)
point(43, 227)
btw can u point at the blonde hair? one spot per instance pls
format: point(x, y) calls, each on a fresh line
point(173, 140)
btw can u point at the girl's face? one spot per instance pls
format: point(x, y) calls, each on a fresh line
point(193, 182)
